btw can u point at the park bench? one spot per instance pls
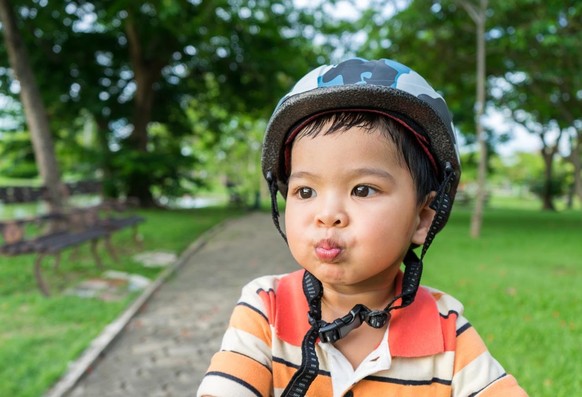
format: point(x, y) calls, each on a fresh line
point(48, 234)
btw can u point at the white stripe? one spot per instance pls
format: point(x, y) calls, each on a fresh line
point(291, 353)
point(476, 375)
point(218, 386)
point(248, 344)
point(422, 368)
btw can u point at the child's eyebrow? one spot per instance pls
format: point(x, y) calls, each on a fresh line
point(358, 172)
point(370, 171)
point(302, 174)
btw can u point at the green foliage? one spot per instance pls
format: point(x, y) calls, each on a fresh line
point(523, 167)
point(234, 59)
point(95, 61)
point(546, 89)
point(130, 69)
point(40, 336)
point(527, 170)
point(166, 165)
point(557, 185)
point(532, 62)
point(16, 156)
point(437, 39)
point(231, 159)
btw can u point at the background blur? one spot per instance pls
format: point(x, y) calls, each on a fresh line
point(167, 100)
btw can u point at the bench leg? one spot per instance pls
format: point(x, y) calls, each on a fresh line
point(96, 254)
point(57, 260)
point(74, 253)
point(137, 238)
point(110, 248)
point(38, 275)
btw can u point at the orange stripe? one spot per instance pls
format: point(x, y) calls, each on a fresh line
point(248, 320)
point(282, 374)
point(244, 368)
point(504, 387)
point(469, 347)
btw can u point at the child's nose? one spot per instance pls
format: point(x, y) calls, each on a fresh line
point(332, 214)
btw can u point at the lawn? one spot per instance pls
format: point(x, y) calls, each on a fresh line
point(40, 336)
point(521, 287)
point(520, 283)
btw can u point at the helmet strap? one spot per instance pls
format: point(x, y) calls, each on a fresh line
point(441, 205)
point(273, 189)
point(307, 372)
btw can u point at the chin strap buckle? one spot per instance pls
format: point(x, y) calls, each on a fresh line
point(377, 318)
point(332, 332)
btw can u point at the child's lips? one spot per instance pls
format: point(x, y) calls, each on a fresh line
point(327, 251)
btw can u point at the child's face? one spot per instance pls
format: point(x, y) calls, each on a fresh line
point(351, 210)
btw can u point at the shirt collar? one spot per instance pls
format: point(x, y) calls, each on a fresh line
point(415, 330)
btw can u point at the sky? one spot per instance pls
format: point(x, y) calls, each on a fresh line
point(521, 141)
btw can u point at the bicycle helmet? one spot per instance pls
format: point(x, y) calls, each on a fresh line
point(378, 86)
point(382, 86)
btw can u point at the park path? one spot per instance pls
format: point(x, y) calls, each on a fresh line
point(166, 346)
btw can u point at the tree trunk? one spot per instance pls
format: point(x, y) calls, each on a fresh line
point(479, 16)
point(110, 188)
point(577, 162)
point(34, 109)
point(146, 74)
point(548, 152)
point(546, 194)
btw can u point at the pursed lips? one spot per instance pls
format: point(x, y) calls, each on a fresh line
point(327, 250)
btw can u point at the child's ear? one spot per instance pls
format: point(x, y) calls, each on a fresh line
point(425, 217)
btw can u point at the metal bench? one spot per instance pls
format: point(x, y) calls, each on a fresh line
point(51, 233)
point(45, 235)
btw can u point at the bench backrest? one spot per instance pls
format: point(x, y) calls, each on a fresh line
point(34, 194)
point(22, 194)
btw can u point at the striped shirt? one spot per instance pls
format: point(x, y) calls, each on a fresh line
point(434, 350)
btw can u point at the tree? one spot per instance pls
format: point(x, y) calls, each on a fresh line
point(479, 15)
point(532, 58)
point(128, 66)
point(575, 157)
point(549, 151)
point(544, 94)
point(33, 106)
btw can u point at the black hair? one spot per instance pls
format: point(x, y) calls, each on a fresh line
point(410, 151)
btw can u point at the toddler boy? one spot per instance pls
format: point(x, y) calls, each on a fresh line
point(365, 154)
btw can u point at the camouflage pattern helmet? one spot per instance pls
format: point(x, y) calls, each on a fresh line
point(379, 86)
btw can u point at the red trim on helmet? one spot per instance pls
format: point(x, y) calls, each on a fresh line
point(421, 139)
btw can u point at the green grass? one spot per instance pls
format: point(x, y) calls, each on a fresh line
point(40, 336)
point(520, 284)
point(20, 182)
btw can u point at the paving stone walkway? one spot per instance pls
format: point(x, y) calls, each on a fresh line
point(165, 348)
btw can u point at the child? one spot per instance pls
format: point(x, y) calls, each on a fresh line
point(365, 154)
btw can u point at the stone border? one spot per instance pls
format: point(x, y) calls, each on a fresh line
point(78, 369)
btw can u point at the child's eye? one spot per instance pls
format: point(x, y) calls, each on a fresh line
point(305, 192)
point(363, 191)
